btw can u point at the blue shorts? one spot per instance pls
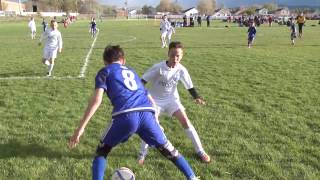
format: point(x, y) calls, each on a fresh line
point(250, 38)
point(125, 125)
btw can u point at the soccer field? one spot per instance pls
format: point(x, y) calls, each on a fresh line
point(261, 121)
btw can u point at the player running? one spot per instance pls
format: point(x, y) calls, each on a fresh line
point(164, 78)
point(164, 27)
point(33, 28)
point(132, 113)
point(53, 44)
point(93, 27)
point(293, 30)
point(251, 34)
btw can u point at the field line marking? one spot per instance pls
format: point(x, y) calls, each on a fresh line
point(86, 61)
point(128, 40)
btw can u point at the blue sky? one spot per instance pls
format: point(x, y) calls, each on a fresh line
point(227, 3)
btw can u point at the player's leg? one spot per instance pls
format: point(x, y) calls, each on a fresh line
point(179, 112)
point(120, 130)
point(150, 131)
point(169, 38)
point(163, 39)
point(144, 146)
point(51, 65)
point(300, 29)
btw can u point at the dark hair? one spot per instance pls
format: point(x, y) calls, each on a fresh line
point(52, 21)
point(112, 53)
point(175, 44)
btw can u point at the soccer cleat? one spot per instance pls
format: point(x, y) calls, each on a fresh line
point(48, 74)
point(141, 159)
point(204, 157)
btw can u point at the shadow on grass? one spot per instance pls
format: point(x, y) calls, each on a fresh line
point(22, 150)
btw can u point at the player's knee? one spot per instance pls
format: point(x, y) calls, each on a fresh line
point(103, 150)
point(169, 151)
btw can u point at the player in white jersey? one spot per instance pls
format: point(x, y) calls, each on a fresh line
point(33, 28)
point(171, 31)
point(164, 27)
point(164, 78)
point(53, 44)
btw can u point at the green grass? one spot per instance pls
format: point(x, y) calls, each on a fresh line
point(261, 121)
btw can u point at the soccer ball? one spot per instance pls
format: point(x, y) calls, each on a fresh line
point(123, 173)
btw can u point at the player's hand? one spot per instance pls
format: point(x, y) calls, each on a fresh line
point(75, 138)
point(60, 50)
point(200, 101)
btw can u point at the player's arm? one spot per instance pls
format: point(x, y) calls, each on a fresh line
point(93, 105)
point(197, 98)
point(187, 82)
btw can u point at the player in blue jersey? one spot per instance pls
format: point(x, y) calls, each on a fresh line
point(93, 27)
point(251, 34)
point(293, 30)
point(133, 113)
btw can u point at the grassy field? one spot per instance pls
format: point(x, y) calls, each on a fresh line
point(261, 121)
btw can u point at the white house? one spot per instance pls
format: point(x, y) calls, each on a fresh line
point(262, 11)
point(132, 12)
point(221, 14)
point(190, 11)
point(281, 12)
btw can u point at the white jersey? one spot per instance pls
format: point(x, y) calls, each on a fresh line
point(164, 81)
point(32, 25)
point(164, 26)
point(54, 39)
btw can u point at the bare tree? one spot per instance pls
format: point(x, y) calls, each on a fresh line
point(206, 6)
point(164, 6)
point(270, 6)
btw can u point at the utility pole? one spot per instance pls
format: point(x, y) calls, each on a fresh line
point(126, 8)
point(20, 7)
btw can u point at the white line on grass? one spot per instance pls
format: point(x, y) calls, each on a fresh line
point(86, 61)
point(128, 40)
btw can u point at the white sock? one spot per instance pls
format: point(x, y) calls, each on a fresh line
point(144, 148)
point(193, 135)
point(50, 67)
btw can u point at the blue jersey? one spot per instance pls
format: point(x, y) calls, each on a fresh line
point(124, 89)
point(252, 31)
point(93, 25)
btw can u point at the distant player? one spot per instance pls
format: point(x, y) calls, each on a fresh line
point(170, 31)
point(164, 78)
point(133, 113)
point(93, 27)
point(44, 24)
point(33, 28)
point(293, 30)
point(164, 27)
point(251, 34)
point(300, 20)
point(53, 44)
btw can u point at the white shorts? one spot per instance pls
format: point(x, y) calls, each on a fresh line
point(164, 34)
point(169, 107)
point(50, 53)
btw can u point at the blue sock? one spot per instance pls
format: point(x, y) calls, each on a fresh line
point(184, 166)
point(98, 166)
